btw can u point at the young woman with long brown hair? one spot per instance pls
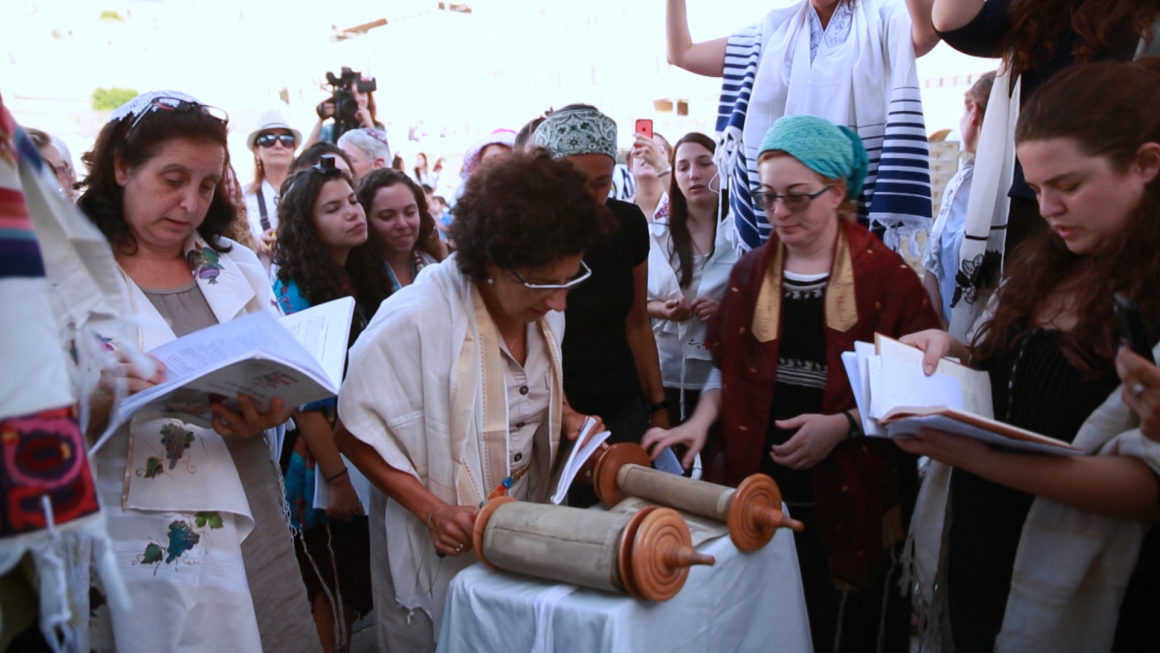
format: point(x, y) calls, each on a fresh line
point(1040, 549)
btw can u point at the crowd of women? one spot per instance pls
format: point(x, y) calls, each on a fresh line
point(708, 314)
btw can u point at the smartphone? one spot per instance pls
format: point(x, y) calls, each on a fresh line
point(1132, 331)
point(644, 127)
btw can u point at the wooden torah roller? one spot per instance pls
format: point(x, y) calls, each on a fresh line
point(752, 511)
point(647, 554)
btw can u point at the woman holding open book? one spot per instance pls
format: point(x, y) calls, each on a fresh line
point(323, 253)
point(1055, 553)
point(455, 390)
point(791, 307)
point(195, 514)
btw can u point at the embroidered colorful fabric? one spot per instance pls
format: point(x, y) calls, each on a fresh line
point(43, 455)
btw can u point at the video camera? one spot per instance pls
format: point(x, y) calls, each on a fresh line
point(345, 106)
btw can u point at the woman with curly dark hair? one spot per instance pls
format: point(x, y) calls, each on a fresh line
point(323, 254)
point(400, 223)
point(178, 495)
point(456, 387)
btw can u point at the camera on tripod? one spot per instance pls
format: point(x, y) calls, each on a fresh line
point(345, 106)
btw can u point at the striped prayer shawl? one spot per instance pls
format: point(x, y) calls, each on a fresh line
point(896, 194)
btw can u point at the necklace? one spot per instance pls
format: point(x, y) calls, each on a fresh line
point(1011, 378)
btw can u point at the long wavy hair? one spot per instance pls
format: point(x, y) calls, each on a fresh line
point(428, 240)
point(299, 256)
point(1111, 112)
point(102, 198)
point(1033, 28)
point(679, 210)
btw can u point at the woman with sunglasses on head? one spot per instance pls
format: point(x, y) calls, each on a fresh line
point(195, 514)
point(323, 253)
point(401, 225)
point(455, 390)
point(690, 256)
point(792, 306)
point(273, 142)
point(1047, 553)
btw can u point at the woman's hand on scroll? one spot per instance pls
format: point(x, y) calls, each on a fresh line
point(451, 528)
point(249, 422)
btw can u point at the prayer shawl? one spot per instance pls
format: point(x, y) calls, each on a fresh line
point(856, 488)
point(55, 278)
point(178, 512)
point(1072, 566)
point(985, 228)
point(425, 389)
point(866, 79)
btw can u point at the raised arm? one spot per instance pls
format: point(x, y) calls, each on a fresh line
point(707, 58)
point(921, 26)
point(947, 15)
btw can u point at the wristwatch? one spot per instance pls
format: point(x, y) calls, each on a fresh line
point(855, 429)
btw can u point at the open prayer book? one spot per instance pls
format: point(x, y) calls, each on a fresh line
point(299, 357)
point(582, 450)
point(896, 398)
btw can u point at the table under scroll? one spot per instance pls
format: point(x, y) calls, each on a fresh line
point(745, 602)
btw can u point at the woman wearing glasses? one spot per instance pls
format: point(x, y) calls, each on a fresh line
point(273, 142)
point(195, 514)
point(791, 308)
point(400, 223)
point(456, 389)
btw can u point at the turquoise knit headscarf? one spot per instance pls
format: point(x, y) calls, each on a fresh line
point(832, 151)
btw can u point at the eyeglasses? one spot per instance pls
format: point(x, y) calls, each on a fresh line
point(794, 202)
point(585, 272)
point(177, 104)
point(267, 140)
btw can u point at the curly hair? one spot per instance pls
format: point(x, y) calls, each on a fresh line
point(525, 211)
point(679, 210)
point(103, 198)
point(370, 184)
point(1111, 114)
point(298, 250)
point(1033, 29)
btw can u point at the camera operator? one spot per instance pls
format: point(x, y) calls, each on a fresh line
point(350, 106)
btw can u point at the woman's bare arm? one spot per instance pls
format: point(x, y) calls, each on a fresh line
point(706, 58)
point(947, 15)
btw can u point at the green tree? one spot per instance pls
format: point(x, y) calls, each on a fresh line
point(107, 99)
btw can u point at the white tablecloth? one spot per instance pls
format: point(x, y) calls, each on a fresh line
point(746, 602)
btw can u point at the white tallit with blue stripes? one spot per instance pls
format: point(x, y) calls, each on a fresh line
point(862, 75)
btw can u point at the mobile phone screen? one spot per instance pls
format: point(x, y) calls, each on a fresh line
point(644, 127)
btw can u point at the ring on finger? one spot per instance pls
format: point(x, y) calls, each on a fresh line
point(1138, 390)
point(459, 548)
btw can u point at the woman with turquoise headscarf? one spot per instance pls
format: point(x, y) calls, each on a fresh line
point(792, 306)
